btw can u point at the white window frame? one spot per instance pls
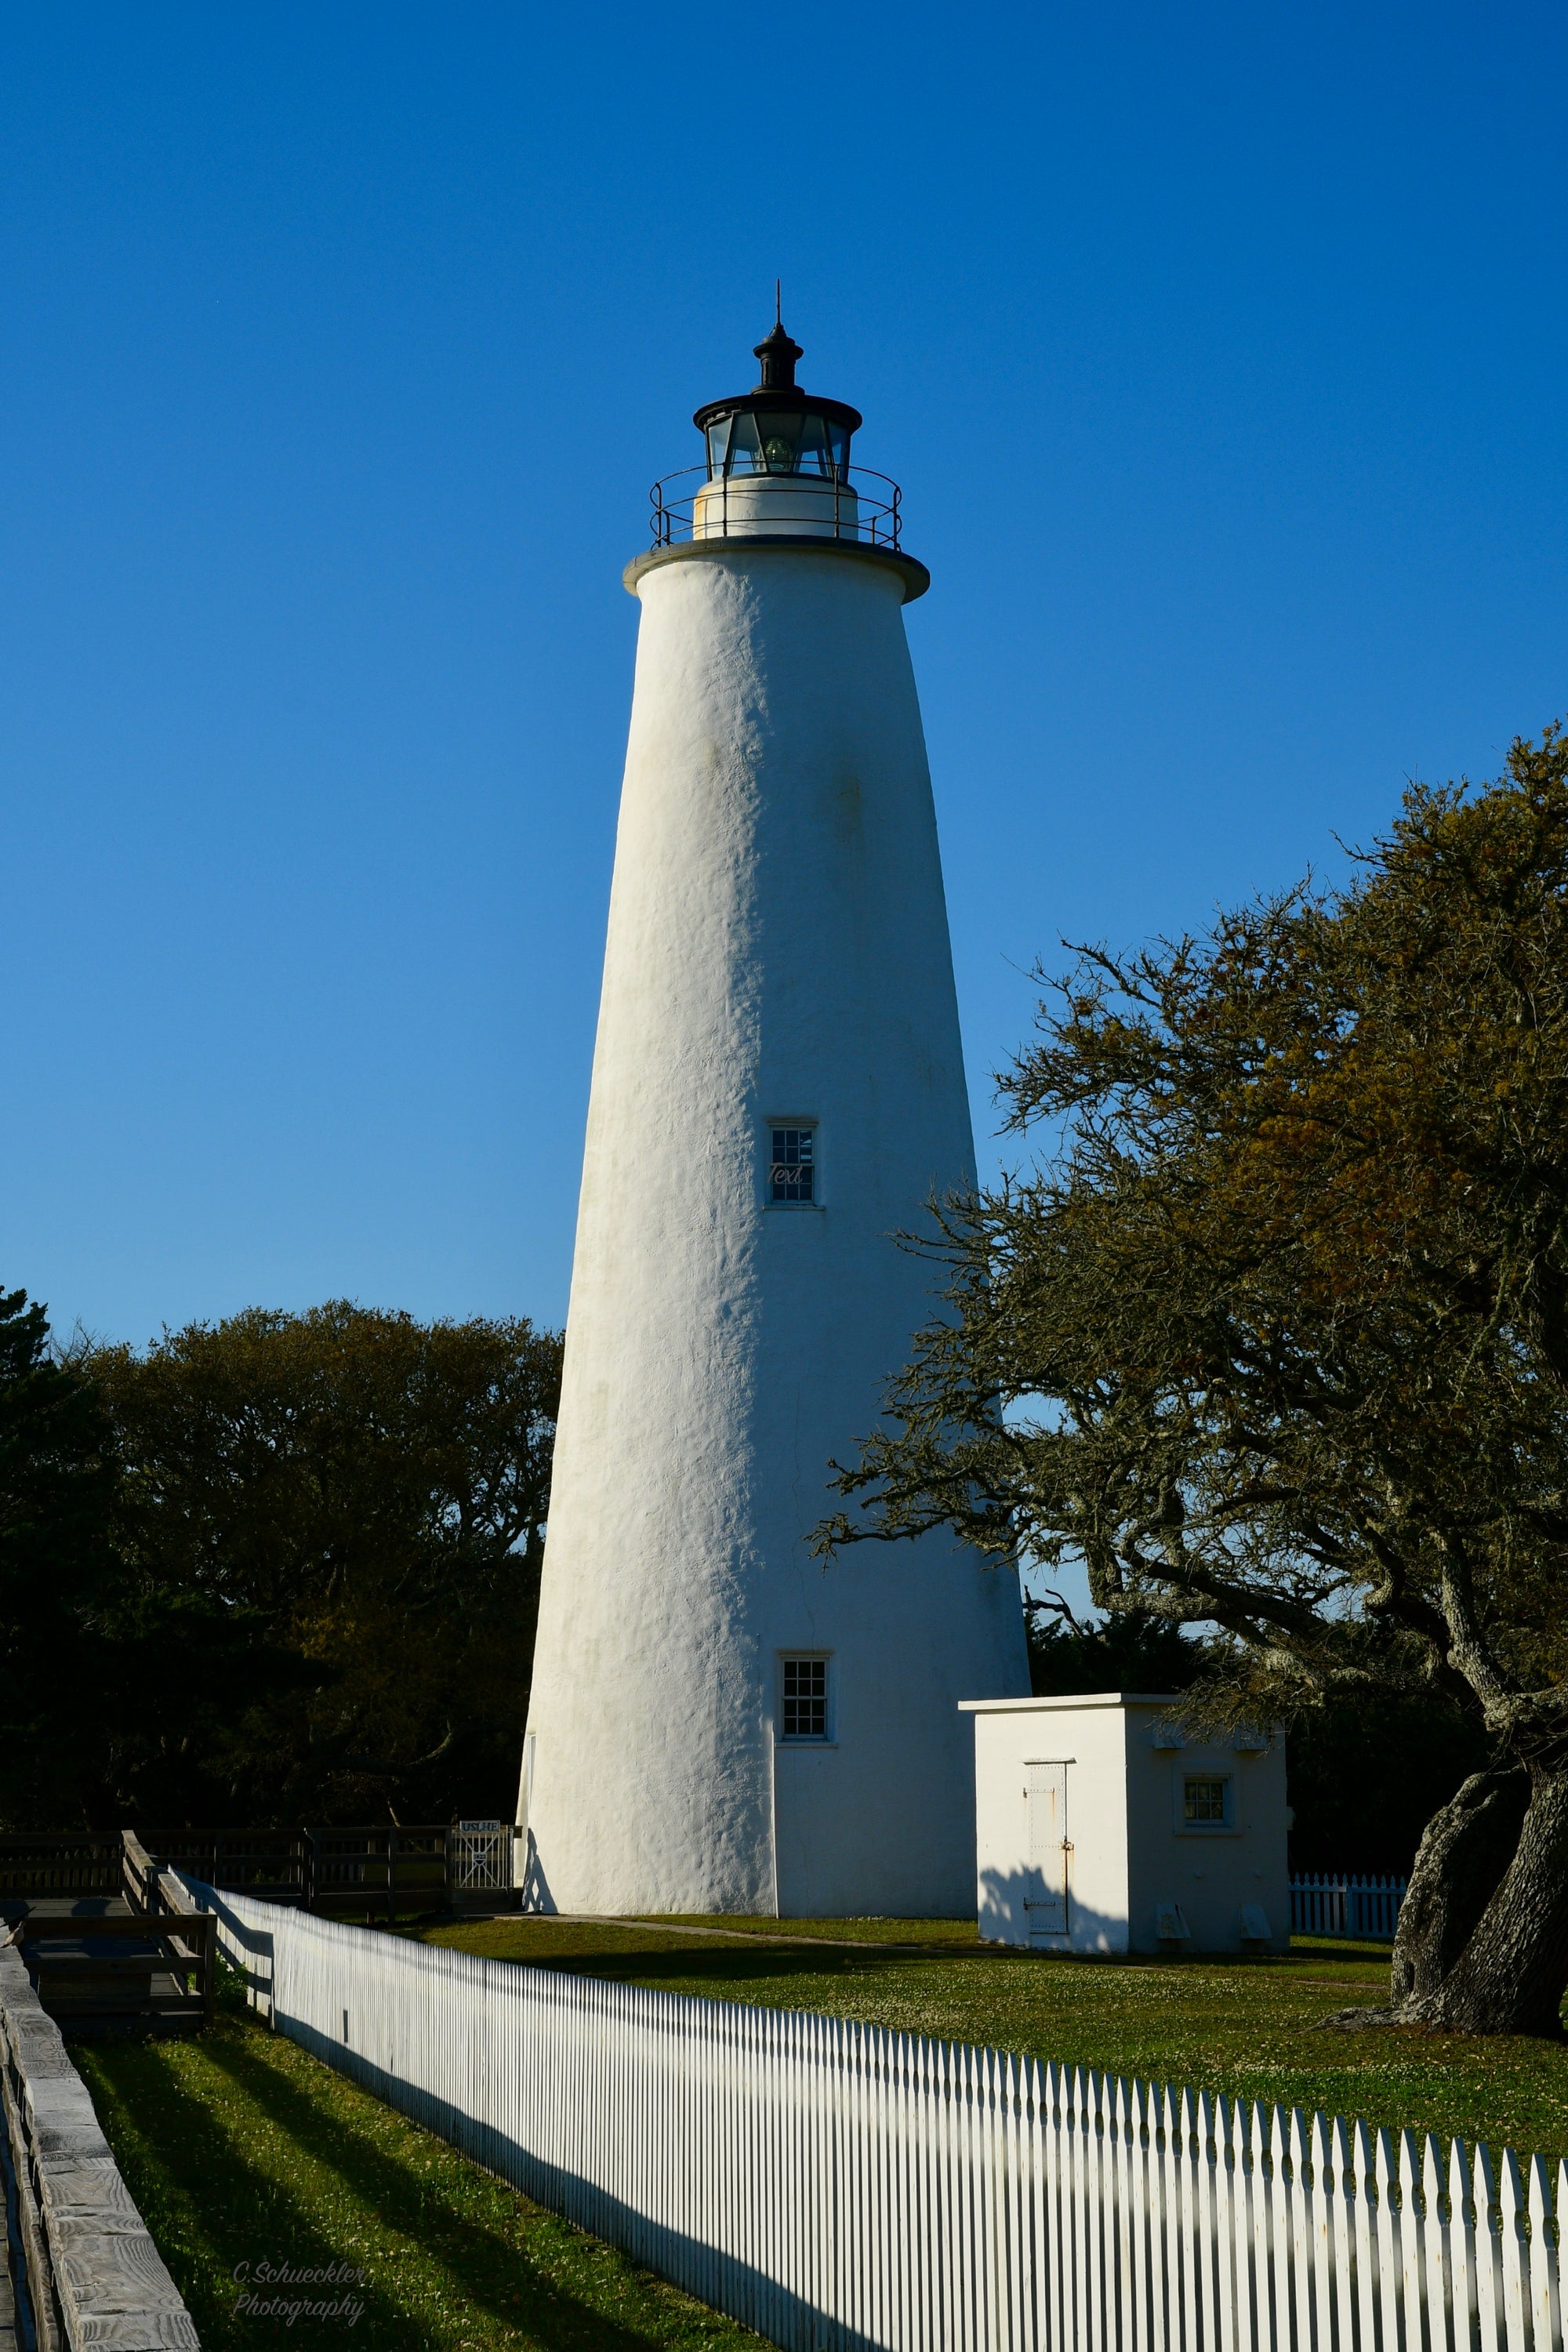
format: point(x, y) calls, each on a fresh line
point(1196, 1769)
point(811, 1125)
point(829, 1736)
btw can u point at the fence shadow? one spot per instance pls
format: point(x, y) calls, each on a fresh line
point(692, 2264)
point(212, 2209)
point(255, 1956)
point(483, 2263)
point(715, 1964)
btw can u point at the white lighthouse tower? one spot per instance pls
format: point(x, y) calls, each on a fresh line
point(717, 1721)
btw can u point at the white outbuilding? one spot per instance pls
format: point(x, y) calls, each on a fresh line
point(1100, 1827)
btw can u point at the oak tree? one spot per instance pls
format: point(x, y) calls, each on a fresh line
point(1272, 1333)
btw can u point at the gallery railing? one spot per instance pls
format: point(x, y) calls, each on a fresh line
point(855, 503)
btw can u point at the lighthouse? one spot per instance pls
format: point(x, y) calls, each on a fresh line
point(719, 1721)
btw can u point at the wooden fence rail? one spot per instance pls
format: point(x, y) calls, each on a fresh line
point(337, 1869)
point(836, 2185)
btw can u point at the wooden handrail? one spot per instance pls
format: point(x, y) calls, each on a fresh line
point(94, 2275)
point(155, 1893)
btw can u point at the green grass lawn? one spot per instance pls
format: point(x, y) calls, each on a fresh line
point(238, 2149)
point(1249, 2028)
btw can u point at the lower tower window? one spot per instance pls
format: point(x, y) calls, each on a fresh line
point(792, 1167)
point(805, 1698)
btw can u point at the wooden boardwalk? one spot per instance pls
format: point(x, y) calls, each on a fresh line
point(106, 1945)
point(100, 1967)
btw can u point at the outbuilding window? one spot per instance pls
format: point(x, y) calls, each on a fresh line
point(1207, 1804)
point(805, 1698)
point(792, 1166)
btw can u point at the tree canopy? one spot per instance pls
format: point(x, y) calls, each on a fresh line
point(56, 1494)
point(319, 1542)
point(1272, 1335)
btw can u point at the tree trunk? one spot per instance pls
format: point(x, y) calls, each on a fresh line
point(1465, 1850)
point(1511, 1974)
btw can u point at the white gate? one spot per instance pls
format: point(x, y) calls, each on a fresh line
point(478, 1857)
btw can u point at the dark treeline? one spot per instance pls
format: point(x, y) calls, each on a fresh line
point(277, 1568)
point(287, 1566)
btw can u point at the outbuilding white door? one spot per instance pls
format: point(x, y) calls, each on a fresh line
point(1045, 1897)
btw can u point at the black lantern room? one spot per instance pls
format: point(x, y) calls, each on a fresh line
point(777, 428)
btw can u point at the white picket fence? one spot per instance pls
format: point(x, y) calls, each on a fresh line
point(835, 2185)
point(1345, 1907)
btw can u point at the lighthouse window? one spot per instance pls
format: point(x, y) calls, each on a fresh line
point(805, 1698)
point(792, 1171)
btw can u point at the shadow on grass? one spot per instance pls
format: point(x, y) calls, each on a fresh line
point(483, 2263)
point(211, 2208)
point(723, 1966)
point(729, 1964)
point(208, 2208)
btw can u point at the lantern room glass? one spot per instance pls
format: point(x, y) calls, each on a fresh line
point(778, 441)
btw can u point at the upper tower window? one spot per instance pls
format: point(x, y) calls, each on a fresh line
point(792, 1168)
point(805, 1698)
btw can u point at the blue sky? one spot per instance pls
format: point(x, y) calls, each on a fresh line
point(1219, 353)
